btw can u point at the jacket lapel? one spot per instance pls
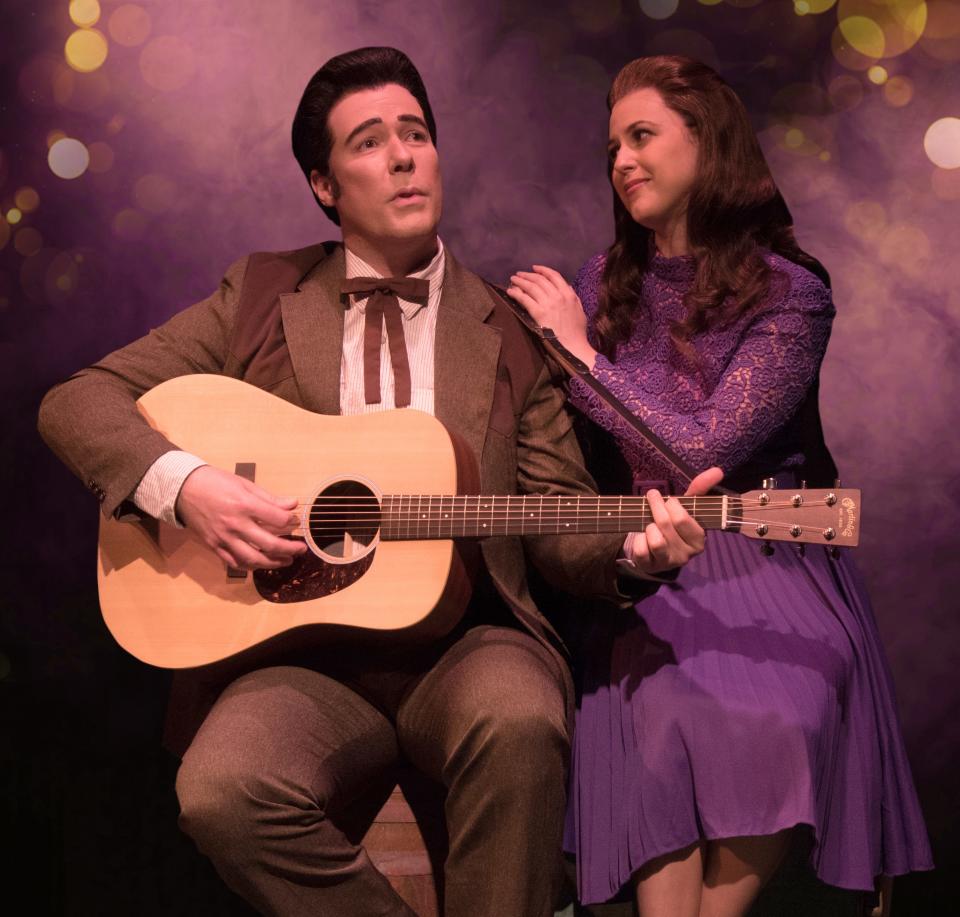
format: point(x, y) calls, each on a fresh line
point(313, 327)
point(466, 354)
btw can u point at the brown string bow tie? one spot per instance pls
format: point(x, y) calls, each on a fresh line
point(383, 307)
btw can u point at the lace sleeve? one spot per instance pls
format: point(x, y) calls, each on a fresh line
point(763, 384)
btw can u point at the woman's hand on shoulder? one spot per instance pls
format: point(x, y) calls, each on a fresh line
point(553, 304)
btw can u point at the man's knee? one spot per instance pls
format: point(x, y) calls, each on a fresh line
point(225, 803)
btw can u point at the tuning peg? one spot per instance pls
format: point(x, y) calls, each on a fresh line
point(769, 484)
point(803, 485)
point(836, 483)
point(766, 549)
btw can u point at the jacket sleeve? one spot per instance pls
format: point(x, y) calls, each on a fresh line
point(91, 420)
point(549, 461)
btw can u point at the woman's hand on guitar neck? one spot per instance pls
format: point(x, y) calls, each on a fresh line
point(239, 521)
point(674, 536)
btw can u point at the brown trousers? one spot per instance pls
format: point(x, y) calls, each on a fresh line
point(287, 752)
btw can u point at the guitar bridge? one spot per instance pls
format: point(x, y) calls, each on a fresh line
point(248, 471)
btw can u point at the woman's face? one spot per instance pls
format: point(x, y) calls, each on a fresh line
point(654, 157)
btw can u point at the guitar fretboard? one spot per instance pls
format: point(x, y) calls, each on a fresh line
point(420, 517)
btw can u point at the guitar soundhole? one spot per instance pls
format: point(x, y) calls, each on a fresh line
point(342, 526)
point(344, 521)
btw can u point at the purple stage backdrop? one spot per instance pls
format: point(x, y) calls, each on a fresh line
point(146, 146)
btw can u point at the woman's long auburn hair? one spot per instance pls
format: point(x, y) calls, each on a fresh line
point(733, 213)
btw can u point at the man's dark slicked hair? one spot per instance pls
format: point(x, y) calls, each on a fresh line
point(365, 68)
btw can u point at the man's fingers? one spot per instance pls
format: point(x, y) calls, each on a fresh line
point(270, 545)
point(705, 481)
point(685, 525)
point(658, 510)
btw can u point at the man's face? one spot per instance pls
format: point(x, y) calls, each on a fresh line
point(384, 171)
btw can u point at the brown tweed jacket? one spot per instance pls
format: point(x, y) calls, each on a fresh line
point(492, 388)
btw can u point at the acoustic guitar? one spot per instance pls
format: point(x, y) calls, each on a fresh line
point(381, 511)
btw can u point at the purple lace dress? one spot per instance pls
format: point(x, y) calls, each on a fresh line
point(752, 694)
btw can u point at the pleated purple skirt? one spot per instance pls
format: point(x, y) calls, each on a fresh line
point(750, 696)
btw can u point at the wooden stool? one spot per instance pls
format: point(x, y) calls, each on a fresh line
point(409, 848)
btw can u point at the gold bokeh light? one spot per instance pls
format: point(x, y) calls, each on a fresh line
point(28, 241)
point(804, 7)
point(898, 91)
point(26, 199)
point(896, 24)
point(877, 74)
point(84, 13)
point(86, 50)
point(14, 216)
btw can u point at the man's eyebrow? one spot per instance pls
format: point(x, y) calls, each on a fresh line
point(416, 119)
point(360, 128)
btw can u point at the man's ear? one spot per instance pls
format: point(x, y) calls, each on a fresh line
point(325, 188)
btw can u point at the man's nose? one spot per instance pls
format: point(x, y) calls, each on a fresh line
point(401, 156)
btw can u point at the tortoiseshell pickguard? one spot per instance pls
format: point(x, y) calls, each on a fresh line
point(309, 577)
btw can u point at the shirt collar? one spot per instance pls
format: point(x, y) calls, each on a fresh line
point(433, 272)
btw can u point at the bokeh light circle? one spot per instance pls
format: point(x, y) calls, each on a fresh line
point(845, 92)
point(863, 35)
point(28, 241)
point(898, 91)
point(129, 25)
point(86, 50)
point(847, 55)
point(803, 7)
point(14, 216)
point(84, 13)
point(897, 24)
point(26, 199)
point(942, 143)
point(68, 158)
point(659, 9)
point(877, 75)
point(167, 63)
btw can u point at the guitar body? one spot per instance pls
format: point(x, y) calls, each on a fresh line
point(171, 602)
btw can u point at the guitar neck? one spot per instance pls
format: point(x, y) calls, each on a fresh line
point(420, 517)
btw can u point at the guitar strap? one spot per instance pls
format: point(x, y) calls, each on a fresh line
point(575, 367)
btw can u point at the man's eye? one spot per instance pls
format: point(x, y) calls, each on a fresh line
point(368, 143)
point(417, 136)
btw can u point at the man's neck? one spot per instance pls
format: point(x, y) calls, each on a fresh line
point(398, 259)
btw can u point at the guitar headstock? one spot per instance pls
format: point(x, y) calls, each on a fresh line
point(827, 516)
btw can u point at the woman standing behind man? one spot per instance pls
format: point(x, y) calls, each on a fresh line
point(751, 696)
